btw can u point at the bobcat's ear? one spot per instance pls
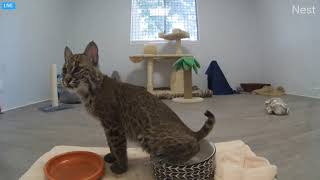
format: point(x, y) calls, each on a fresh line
point(67, 54)
point(92, 52)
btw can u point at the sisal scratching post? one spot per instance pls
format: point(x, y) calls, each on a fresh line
point(54, 91)
point(187, 95)
point(188, 84)
point(187, 64)
point(178, 46)
point(177, 77)
point(55, 105)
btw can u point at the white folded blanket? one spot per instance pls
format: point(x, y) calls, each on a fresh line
point(235, 161)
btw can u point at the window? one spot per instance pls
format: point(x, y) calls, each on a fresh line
point(149, 17)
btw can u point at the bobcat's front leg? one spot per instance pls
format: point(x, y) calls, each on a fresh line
point(109, 158)
point(118, 147)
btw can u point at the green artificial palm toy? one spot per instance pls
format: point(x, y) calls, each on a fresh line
point(187, 63)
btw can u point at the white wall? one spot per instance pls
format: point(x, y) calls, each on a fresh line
point(253, 41)
point(290, 46)
point(226, 33)
point(32, 38)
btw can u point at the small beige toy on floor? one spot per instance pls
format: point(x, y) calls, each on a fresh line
point(276, 106)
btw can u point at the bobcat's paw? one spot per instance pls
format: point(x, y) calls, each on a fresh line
point(109, 158)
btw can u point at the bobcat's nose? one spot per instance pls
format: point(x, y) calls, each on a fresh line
point(67, 80)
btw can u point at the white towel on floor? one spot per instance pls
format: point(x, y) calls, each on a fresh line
point(236, 161)
point(139, 165)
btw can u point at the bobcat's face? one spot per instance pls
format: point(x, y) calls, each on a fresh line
point(76, 70)
point(80, 71)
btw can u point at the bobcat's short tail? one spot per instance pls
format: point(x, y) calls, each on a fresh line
point(207, 127)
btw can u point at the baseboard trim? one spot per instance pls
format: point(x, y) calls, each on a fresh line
point(32, 103)
point(294, 94)
point(17, 107)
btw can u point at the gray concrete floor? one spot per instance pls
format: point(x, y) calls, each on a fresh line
point(291, 142)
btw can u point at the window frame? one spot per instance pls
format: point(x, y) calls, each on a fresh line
point(162, 41)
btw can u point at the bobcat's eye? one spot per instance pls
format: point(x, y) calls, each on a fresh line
point(76, 69)
point(64, 70)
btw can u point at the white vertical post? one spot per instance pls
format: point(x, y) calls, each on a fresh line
point(178, 46)
point(150, 75)
point(54, 91)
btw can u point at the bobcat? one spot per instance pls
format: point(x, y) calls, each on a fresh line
point(129, 112)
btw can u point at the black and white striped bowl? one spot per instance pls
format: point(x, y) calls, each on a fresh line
point(200, 167)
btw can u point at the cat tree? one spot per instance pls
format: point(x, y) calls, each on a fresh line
point(177, 82)
point(177, 78)
point(181, 78)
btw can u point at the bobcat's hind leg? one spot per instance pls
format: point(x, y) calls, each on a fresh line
point(177, 150)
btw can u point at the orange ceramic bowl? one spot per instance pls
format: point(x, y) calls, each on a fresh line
point(76, 165)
